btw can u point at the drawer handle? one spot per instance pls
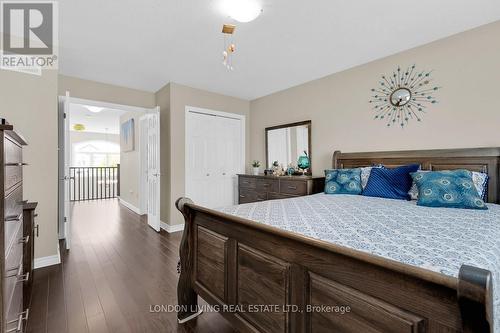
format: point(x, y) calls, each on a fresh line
point(292, 187)
point(266, 184)
point(24, 277)
point(23, 316)
point(14, 218)
point(242, 196)
point(15, 164)
point(246, 182)
point(24, 240)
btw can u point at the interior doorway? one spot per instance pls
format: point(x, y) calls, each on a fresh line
point(101, 149)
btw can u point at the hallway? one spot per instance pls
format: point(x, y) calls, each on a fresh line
point(117, 267)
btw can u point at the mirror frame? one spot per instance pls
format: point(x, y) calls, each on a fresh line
point(309, 148)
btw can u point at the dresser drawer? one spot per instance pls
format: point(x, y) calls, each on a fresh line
point(14, 270)
point(13, 215)
point(247, 196)
point(14, 250)
point(293, 187)
point(267, 185)
point(13, 153)
point(14, 202)
point(273, 196)
point(247, 182)
point(13, 175)
point(14, 310)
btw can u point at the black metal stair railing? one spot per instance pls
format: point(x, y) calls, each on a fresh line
point(92, 183)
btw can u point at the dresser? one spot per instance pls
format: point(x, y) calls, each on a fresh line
point(260, 188)
point(12, 238)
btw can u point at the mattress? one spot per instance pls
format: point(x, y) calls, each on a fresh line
point(437, 239)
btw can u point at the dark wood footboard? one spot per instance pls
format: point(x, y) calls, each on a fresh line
point(264, 279)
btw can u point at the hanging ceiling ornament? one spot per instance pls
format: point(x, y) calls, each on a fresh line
point(229, 46)
point(403, 96)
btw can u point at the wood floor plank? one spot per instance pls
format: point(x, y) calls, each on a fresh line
point(117, 268)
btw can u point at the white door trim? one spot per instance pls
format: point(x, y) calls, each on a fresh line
point(108, 105)
point(194, 109)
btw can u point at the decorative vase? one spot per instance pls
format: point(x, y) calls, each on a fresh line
point(303, 163)
point(256, 171)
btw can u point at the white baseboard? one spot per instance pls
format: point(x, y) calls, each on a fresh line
point(48, 261)
point(171, 228)
point(130, 206)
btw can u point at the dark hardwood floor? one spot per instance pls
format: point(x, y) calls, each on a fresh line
point(116, 269)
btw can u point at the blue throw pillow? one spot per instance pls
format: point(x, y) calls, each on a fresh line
point(343, 181)
point(453, 189)
point(390, 183)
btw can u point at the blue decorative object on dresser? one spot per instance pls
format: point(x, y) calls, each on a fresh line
point(452, 189)
point(343, 181)
point(390, 183)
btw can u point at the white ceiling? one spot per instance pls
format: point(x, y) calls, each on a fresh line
point(106, 121)
point(146, 44)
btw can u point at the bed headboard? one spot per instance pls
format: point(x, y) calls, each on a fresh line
point(475, 159)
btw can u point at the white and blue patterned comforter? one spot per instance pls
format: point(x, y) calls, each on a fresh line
point(437, 239)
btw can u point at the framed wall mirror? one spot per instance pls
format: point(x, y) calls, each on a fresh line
point(287, 144)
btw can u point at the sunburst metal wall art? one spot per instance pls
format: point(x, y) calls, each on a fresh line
point(403, 96)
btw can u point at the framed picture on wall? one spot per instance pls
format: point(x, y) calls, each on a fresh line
point(127, 136)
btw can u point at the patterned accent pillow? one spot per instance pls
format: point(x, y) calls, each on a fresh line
point(343, 181)
point(452, 189)
point(480, 180)
point(390, 183)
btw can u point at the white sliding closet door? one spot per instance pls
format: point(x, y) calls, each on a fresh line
point(214, 155)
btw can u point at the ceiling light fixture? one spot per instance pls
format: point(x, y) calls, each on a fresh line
point(79, 127)
point(94, 109)
point(229, 47)
point(242, 10)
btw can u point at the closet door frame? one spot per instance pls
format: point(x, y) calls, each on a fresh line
point(210, 112)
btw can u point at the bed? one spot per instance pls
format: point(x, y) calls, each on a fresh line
point(328, 263)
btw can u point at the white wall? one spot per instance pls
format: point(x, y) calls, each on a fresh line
point(180, 97)
point(130, 164)
point(466, 65)
point(29, 102)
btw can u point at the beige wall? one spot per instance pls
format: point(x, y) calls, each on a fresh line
point(467, 66)
point(103, 92)
point(130, 164)
point(29, 103)
point(163, 101)
point(180, 97)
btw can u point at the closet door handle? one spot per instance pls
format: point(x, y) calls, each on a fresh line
point(36, 227)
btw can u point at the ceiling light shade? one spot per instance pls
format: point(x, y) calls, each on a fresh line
point(242, 10)
point(79, 127)
point(94, 109)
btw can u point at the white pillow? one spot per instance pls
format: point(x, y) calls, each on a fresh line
point(365, 174)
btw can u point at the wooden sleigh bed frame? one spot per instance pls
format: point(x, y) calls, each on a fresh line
point(233, 263)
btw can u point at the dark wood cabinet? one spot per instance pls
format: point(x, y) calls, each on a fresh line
point(261, 188)
point(28, 249)
point(13, 241)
